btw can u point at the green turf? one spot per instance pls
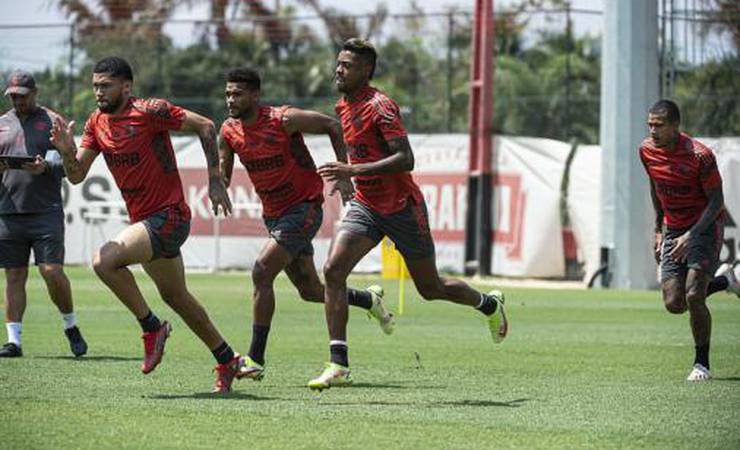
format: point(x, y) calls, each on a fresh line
point(580, 369)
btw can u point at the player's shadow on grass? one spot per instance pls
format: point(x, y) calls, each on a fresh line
point(484, 403)
point(96, 358)
point(726, 378)
point(212, 396)
point(394, 386)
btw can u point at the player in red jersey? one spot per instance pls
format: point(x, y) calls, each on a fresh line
point(387, 203)
point(686, 190)
point(269, 143)
point(133, 136)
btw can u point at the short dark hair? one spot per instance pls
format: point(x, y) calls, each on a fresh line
point(115, 66)
point(245, 75)
point(666, 108)
point(364, 49)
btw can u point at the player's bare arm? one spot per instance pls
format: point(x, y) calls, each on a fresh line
point(715, 202)
point(658, 221)
point(226, 160)
point(400, 160)
point(76, 162)
point(302, 121)
point(206, 131)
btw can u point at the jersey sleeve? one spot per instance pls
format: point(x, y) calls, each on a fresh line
point(88, 136)
point(387, 118)
point(708, 172)
point(164, 116)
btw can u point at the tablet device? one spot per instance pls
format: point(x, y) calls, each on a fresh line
point(16, 162)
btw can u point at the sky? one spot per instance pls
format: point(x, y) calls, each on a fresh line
point(45, 41)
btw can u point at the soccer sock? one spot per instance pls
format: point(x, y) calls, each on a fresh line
point(14, 332)
point(363, 299)
point(702, 355)
point(259, 342)
point(338, 350)
point(223, 353)
point(150, 323)
point(70, 321)
point(487, 304)
point(717, 284)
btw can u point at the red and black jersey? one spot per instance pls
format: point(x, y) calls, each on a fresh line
point(137, 148)
point(369, 122)
point(682, 177)
point(279, 164)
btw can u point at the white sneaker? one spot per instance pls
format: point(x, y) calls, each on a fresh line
point(378, 311)
point(699, 373)
point(497, 322)
point(732, 284)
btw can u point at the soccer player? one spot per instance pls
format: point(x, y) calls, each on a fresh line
point(133, 136)
point(686, 191)
point(387, 203)
point(269, 143)
point(31, 215)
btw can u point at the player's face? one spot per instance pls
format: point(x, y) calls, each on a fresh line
point(241, 101)
point(24, 104)
point(110, 92)
point(662, 132)
point(351, 72)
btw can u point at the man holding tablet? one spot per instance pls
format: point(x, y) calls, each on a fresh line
point(31, 215)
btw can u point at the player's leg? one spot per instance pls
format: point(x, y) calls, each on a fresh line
point(726, 280)
point(15, 251)
point(168, 274)
point(409, 230)
point(48, 250)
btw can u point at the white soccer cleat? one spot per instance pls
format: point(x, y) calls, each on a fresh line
point(698, 374)
point(378, 312)
point(333, 375)
point(732, 284)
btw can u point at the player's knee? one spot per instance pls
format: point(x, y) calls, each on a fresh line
point(334, 274)
point(51, 274)
point(675, 306)
point(261, 276)
point(16, 276)
point(104, 260)
point(311, 293)
point(695, 298)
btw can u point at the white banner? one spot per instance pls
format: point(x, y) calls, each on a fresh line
point(528, 237)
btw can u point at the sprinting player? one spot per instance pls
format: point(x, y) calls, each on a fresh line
point(31, 215)
point(269, 143)
point(133, 136)
point(387, 203)
point(686, 190)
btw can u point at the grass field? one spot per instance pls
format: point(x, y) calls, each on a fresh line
point(580, 369)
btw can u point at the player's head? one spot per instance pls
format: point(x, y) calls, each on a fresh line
point(664, 120)
point(355, 65)
point(242, 92)
point(112, 83)
point(21, 89)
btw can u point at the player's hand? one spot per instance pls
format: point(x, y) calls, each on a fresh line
point(62, 135)
point(219, 195)
point(345, 188)
point(37, 167)
point(680, 247)
point(658, 246)
point(335, 170)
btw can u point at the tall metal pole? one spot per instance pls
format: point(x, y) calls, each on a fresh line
point(478, 230)
point(450, 73)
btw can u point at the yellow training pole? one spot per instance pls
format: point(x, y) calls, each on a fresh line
point(401, 276)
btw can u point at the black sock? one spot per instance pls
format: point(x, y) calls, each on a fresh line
point(223, 353)
point(487, 305)
point(150, 323)
point(259, 342)
point(363, 299)
point(339, 354)
point(717, 284)
point(702, 355)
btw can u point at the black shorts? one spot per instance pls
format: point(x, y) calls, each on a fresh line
point(296, 227)
point(42, 232)
point(703, 252)
point(168, 229)
point(408, 228)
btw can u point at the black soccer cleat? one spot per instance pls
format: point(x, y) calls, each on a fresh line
point(76, 342)
point(10, 350)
